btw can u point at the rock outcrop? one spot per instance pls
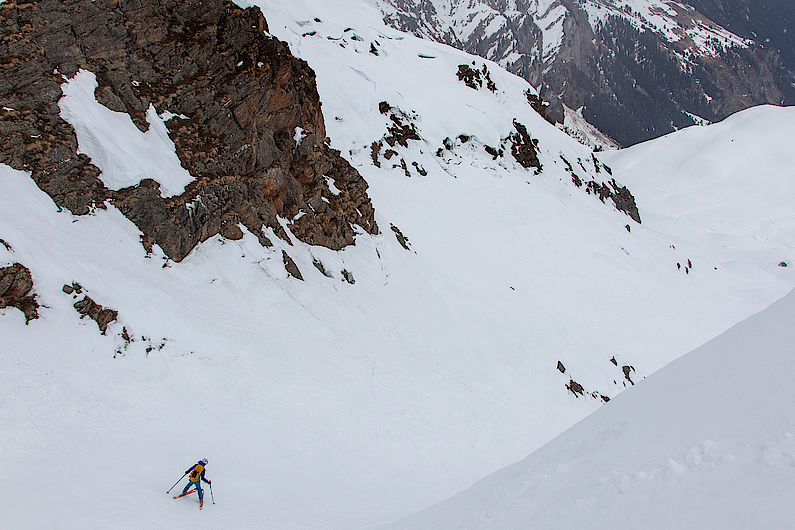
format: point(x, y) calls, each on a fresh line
point(87, 307)
point(239, 97)
point(16, 290)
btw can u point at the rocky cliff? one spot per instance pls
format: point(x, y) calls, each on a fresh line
point(238, 97)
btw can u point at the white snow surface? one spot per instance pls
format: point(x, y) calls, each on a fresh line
point(746, 159)
point(322, 404)
point(116, 146)
point(706, 442)
point(576, 126)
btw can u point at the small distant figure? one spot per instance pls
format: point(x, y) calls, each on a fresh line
point(195, 478)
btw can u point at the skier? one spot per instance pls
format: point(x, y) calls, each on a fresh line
point(195, 479)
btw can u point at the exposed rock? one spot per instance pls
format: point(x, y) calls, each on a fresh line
point(575, 388)
point(523, 148)
point(291, 267)
point(538, 104)
point(622, 199)
point(244, 95)
point(101, 315)
point(405, 167)
point(6, 245)
point(375, 151)
point(402, 128)
point(474, 78)
point(627, 371)
point(348, 276)
point(495, 153)
point(403, 240)
point(319, 266)
point(16, 290)
point(231, 230)
point(470, 77)
point(561, 367)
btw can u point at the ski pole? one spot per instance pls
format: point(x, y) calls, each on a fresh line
point(211, 493)
point(177, 482)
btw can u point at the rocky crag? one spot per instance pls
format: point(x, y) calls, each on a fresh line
point(16, 290)
point(239, 97)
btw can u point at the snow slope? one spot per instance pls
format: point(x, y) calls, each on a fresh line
point(721, 186)
point(325, 404)
point(707, 442)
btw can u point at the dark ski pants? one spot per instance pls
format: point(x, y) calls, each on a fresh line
point(199, 490)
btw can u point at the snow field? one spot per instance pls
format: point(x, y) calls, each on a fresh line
point(707, 442)
point(724, 187)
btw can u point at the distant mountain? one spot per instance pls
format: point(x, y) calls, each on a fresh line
point(637, 69)
point(768, 22)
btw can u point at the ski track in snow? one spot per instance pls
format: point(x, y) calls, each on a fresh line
point(322, 404)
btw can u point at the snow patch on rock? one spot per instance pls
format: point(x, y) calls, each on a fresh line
point(116, 146)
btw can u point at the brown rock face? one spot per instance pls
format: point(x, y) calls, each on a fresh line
point(474, 78)
point(243, 93)
point(575, 388)
point(101, 315)
point(16, 286)
point(524, 148)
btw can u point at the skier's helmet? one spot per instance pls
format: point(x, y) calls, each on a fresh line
point(203, 461)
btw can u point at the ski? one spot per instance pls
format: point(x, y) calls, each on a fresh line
point(182, 495)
